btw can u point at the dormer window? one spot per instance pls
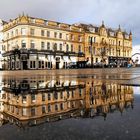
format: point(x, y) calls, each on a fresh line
point(92, 30)
point(127, 36)
point(112, 34)
point(32, 20)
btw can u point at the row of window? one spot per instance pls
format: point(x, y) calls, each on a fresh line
point(54, 45)
point(106, 51)
point(45, 108)
point(45, 33)
point(54, 96)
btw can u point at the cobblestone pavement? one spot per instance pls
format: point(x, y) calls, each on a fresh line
point(130, 76)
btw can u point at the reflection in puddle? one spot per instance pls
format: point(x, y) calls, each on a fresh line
point(28, 102)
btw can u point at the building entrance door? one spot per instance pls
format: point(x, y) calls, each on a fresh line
point(24, 65)
point(57, 65)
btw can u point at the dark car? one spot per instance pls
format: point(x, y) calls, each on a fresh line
point(72, 65)
point(112, 65)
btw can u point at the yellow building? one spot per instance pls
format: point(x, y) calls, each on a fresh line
point(106, 45)
point(33, 43)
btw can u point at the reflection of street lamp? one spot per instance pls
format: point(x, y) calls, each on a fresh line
point(91, 51)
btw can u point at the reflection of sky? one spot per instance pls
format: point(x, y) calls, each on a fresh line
point(136, 90)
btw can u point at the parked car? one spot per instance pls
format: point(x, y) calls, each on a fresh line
point(112, 65)
point(72, 65)
point(98, 65)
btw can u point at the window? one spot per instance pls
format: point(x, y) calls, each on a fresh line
point(24, 99)
point(24, 111)
point(67, 37)
point(42, 33)
point(72, 37)
point(7, 35)
point(55, 34)
point(60, 47)
point(55, 47)
point(94, 39)
point(23, 44)
point(49, 96)
point(72, 94)
point(33, 97)
point(23, 31)
point(32, 44)
point(32, 31)
point(16, 31)
point(32, 64)
point(61, 106)
point(56, 107)
point(43, 109)
point(43, 97)
point(39, 64)
point(80, 92)
point(68, 94)
point(49, 108)
point(80, 48)
point(60, 35)
point(79, 38)
point(71, 47)
point(32, 20)
point(48, 45)
point(42, 45)
point(32, 111)
point(55, 96)
point(12, 34)
point(119, 43)
point(61, 95)
point(48, 33)
point(67, 48)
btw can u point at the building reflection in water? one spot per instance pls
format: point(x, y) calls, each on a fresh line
point(29, 102)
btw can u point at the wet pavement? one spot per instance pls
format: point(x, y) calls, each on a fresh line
point(101, 104)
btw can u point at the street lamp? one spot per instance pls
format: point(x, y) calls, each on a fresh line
point(91, 50)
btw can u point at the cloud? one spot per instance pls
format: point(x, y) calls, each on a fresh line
point(123, 12)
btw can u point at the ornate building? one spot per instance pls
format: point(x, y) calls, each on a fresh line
point(107, 45)
point(33, 43)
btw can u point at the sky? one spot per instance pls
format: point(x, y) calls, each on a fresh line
point(112, 12)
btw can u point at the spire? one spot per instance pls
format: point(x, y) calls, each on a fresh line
point(130, 33)
point(23, 13)
point(119, 27)
point(103, 25)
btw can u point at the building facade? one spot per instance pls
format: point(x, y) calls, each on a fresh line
point(33, 43)
point(107, 45)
